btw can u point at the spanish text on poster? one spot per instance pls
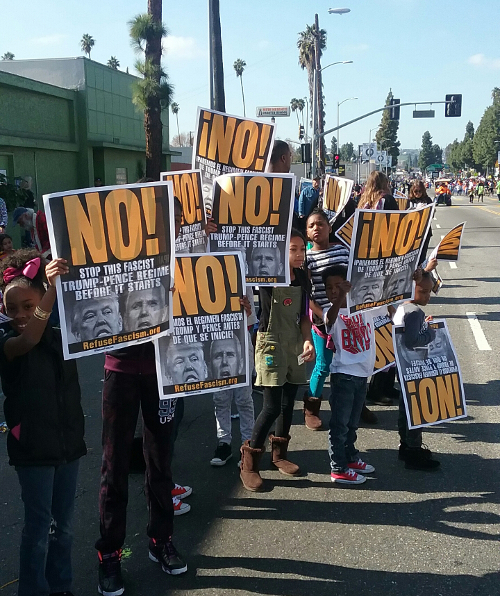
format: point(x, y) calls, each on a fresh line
point(336, 195)
point(225, 144)
point(208, 349)
point(253, 213)
point(384, 255)
point(385, 358)
point(119, 244)
point(187, 188)
point(430, 378)
point(449, 247)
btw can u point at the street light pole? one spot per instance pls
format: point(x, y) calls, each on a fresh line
point(338, 119)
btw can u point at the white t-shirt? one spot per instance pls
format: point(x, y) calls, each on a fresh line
point(354, 340)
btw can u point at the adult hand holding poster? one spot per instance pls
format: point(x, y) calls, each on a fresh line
point(119, 244)
point(336, 195)
point(226, 144)
point(208, 349)
point(385, 248)
point(253, 213)
point(187, 188)
point(430, 378)
point(449, 247)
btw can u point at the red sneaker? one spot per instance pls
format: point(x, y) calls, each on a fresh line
point(361, 466)
point(348, 477)
point(181, 491)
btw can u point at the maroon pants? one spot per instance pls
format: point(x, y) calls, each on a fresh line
point(121, 398)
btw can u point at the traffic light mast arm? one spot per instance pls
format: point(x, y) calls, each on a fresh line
point(389, 107)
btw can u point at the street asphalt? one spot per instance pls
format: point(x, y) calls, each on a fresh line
point(401, 533)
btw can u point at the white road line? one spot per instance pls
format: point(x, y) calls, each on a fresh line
point(434, 218)
point(453, 265)
point(481, 341)
point(438, 226)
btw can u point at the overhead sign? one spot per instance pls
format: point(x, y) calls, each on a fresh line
point(381, 158)
point(273, 111)
point(424, 113)
point(368, 151)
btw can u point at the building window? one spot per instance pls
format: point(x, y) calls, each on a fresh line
point(121, 176)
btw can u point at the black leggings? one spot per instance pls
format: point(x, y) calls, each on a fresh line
point(277, 405)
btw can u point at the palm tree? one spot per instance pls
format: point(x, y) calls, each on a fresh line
point(218, 101)
point(153, 92)
point(87, 43)
point(8, 56)
point(113, 63)
point(175, 110)
point(294, 104)
point(239, 67)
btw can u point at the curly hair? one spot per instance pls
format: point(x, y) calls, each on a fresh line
point(18, 260)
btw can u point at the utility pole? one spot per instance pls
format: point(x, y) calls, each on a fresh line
point(319, 87)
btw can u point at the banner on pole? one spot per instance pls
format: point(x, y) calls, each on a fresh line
point(253, 213)
point(208, 349)
point(119, 244)
point(430, 378)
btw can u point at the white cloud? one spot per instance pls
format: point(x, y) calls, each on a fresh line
point(481, 61)
point(184, 48)
point(49, 40)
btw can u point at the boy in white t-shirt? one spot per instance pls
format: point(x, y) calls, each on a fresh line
point(351, 366)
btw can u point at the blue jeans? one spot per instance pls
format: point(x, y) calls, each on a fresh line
point(48, 494)
point(347, 397)
point(321, 366)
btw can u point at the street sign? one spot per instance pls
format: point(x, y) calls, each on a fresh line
point(424, 113)
point(273, 111)
point(381, 158)
point(368, 151)
point(341, 170)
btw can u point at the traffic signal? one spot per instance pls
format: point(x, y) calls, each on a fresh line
point(454, 108)
point(305, 151)
point(394, 112)
point(336, 161)
point(301, 132)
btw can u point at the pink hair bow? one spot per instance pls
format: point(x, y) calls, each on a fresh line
point(29, 270)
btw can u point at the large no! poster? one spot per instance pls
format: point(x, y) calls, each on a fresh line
point(119, 244)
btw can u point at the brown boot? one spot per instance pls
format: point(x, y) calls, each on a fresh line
point(312, 406)
point(249, 469)
point(367, 416)
point(279, 449)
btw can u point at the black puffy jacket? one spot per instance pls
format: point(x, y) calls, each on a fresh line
point(42, 394)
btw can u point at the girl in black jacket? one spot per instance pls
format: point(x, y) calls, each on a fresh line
point(43, 411)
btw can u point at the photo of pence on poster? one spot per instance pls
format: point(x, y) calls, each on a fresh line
point(187, 188)
point(224, 144)
point(208, 349)
point(385, 250)
point(119, 244)
point(253, 213)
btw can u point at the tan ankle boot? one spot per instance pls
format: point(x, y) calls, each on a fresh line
point(312, 406)
point(279, 451)
point(249, 468)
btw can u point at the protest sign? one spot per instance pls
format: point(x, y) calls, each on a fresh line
point(336, 195)
point(187, 188)
point(437, 282)
point(304, 183)
point(449, 247)
point(384, 254)
point(208, 349)
point(344, 233)
point(382, 325)
point(225, 144)
point(253, 213)
point(430, 378)
point(119, 244)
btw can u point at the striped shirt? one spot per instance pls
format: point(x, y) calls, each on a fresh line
point(317, 262)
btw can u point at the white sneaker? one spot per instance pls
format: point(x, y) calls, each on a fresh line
point(180, 508)
point(181, 492)
point(361, 466)
point(349, 477)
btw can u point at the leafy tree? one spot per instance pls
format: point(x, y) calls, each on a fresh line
point(437, 153)
point(175, 111)
point(333, 146)
point(218, 102)
point(182, 140)
point(454, 155)
point(87, 43)
point(153, 92)
point(113, 63)
point(485, 147)
point(426, 157)
point(346, 152)
point(8, 56)
point(239, 67)
point(387, 134)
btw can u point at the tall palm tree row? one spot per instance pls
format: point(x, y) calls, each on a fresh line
point(87, 43)
point(113, 63)
point(239, 67)
point(153, 92)
point(175, 110)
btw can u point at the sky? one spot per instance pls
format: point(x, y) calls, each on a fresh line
point(421, 49)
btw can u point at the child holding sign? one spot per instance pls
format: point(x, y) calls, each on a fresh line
point(43, 410)
point(284, 343)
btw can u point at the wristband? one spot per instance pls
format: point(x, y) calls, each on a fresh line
point(43, 315)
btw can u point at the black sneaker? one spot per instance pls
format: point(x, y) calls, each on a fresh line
point(166, 554)
point(222, 455)
point(110, 574)
point(420, 459)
